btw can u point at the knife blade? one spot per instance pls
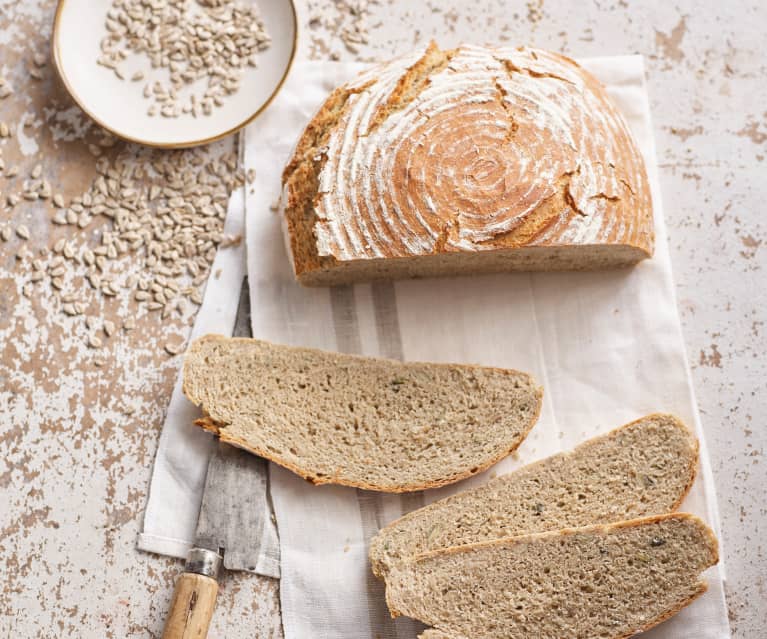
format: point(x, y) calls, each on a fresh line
point(229, 527)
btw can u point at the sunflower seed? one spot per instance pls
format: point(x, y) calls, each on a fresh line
point(173, 349)
point(109, 328)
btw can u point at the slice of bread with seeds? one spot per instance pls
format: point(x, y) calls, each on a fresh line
point(596, 582)
point(643, 468)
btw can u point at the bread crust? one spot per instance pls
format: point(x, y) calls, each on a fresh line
point(358, 216)
point(220, 430)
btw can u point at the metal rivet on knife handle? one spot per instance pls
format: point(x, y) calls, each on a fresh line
point(194, 598)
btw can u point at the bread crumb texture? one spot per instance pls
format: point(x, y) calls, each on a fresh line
point(366, 422)
point(597, 582)
point(640, 469)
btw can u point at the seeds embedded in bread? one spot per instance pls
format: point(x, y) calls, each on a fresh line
point(643, 468)
point(596, 582)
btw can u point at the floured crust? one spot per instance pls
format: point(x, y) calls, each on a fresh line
point(464, 152)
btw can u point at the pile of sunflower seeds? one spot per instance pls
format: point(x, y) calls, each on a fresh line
point(210, 42)
point(168, 209)
point(149, 225)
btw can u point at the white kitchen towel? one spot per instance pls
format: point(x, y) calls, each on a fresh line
point(606, 346)
point(181, 462)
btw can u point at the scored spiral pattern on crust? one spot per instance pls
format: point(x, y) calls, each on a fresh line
point(498, 148)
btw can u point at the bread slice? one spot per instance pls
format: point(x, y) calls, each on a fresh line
point(643, 468)
point(359, 421)
point(597, 582)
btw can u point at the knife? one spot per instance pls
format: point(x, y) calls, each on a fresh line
point(229, 527)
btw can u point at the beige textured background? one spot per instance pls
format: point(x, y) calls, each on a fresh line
point(77, 441)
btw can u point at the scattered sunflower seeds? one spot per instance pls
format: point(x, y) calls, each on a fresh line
point(166, 210)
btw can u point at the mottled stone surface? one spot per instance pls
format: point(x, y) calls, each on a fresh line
point(77, 442)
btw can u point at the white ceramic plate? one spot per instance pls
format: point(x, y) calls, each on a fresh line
point(119, 106)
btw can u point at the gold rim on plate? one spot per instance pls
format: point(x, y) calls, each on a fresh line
point(179, 145)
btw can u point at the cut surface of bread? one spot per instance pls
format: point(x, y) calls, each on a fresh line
point(468, 160)
point(366, 422)
point(596, 582)
point(643, 468)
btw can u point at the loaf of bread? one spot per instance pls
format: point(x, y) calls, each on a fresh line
point(465, 161)
point(607, 581)
point(345, 419)
point(643, 468)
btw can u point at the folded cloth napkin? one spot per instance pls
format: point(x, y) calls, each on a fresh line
point(181, 462)
point(606, 346)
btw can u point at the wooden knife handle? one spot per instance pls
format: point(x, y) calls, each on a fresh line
point(192, 607)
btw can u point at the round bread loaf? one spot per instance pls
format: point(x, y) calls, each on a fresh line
point(466, 161)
